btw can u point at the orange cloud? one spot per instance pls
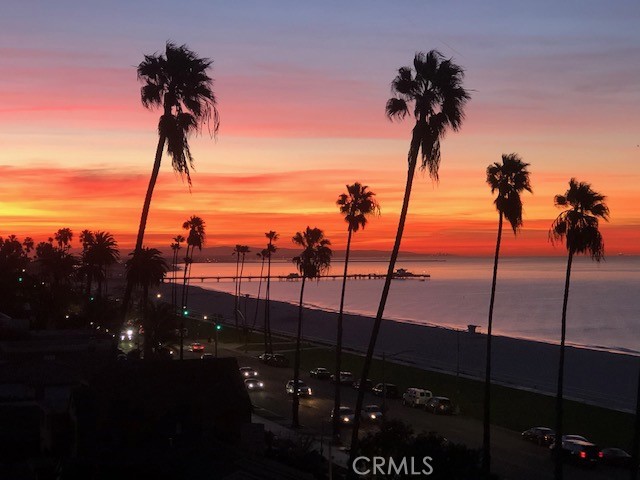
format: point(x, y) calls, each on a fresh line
point(457, 216)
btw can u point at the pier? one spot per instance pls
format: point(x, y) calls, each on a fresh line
point(293, 277)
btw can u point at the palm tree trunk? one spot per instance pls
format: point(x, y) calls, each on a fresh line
point(336, 396)
point(255, 316)
point(558, 471)
point(635, 445)
point(174, 293)
point(143, 218)
point(244, 320)
point(486, 440)
point(148, 348)
point(235, 309)
point(413, 159)
point(183, 303)
point(267, 310)
point(296, 363)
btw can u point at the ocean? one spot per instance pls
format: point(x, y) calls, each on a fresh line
point(603, 311)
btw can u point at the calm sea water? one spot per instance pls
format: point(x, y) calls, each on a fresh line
point(603, 311)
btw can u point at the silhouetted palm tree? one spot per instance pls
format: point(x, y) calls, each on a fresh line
point(178, 82)
point(236, 252)
point(509, 178)
point(28, 245)
point(314, 260)
point(262, 255)
point(195, 226)
point(63, 237)
point(577, 226)
point(103, 251)
point(175, 248)
point(355, 205)
point(244, 249)
point(146, 268)
point(433, 89)
point(271, 249)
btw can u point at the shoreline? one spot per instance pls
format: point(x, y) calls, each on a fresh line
point(593, 376)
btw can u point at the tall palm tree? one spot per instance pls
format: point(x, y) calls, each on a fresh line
point(236, 306)
point(433, 89)
point(262, 255)
point(146, 268)
point(244, 249)
point(28, 245)
point(177, 81)
point(356, 205)
point(577, 226)
point(509, 178)
point(102, 252)
point(63, 237)
point(196, 227)
point(175, 248)
point(273, 237)
point(314, 260)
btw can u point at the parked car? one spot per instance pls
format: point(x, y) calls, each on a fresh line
point(539, 435)
point(372, 413)
point(346, 415)
point(320, 373)
point(580, 452)
point(263, 357)
point(390, 389)
point(368, 384)
point(439, 405)
point(196, 347)
point(303, 390)
point(207, 356)
point(416, 397)
point(567, 437)
point(345, 378)
point(277, 360)
point(253, 384)
point(616, 457)
point(248, 372)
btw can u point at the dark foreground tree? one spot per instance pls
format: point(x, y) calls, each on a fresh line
point(314, 260)
point(432, 92)
point(577, 226)
point(509, 178)
point(178, 82)
point(407, 456)
point(146, 268)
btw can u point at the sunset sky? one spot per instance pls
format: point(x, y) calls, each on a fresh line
point(302, 88)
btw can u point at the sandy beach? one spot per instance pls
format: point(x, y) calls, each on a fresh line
point(592, 376)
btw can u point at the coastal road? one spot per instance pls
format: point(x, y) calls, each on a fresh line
point(512, 458)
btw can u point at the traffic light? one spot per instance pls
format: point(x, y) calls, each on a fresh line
point(185, 312)
point(218, 327)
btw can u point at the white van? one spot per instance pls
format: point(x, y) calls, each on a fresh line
point(416, 397)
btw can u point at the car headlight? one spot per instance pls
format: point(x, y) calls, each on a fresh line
point(373, 417)
point(246, 374)
point(250, 385)
point(309, 391)
point(261, 384)
point(345, 419)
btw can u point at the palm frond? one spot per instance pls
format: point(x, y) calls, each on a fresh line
point(578, 224)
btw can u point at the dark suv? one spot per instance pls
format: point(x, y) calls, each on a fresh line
point(390, 389)
point(439, 405)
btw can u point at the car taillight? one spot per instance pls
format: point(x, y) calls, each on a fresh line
point(600, 455)
point(583, 454)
